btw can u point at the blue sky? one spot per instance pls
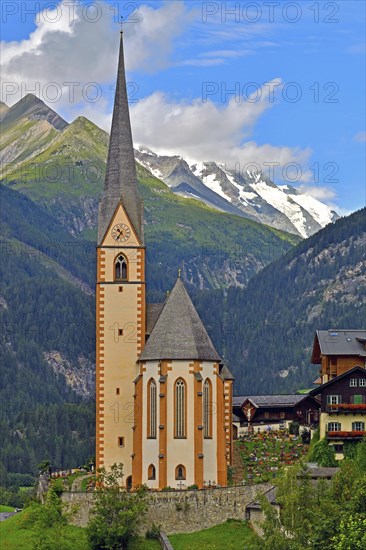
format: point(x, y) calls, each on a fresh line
point(200, 74)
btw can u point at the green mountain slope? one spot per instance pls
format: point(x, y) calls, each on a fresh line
point(319, 284)
point(52, 175)
point(47, 338)
point(65, 176)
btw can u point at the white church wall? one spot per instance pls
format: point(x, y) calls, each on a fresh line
point(150, 447)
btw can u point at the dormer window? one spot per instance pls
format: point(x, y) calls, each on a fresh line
point(121, 268)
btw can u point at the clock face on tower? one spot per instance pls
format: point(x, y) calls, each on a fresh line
point(121, 233)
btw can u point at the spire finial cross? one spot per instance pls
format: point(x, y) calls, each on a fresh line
point(122, 23)
point(179, 272)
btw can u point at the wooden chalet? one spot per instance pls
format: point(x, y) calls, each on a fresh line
point(259, 412)
point(338, 351)
point(343, 408)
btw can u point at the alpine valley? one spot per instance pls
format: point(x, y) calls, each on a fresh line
point(260, 283)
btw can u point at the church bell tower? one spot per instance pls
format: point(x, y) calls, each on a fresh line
point(120, 291)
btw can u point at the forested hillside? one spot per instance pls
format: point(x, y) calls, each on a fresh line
point(319, 284)
point(264, 331)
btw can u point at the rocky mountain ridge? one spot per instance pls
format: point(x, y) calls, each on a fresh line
point(249, 193)
point(37, 145)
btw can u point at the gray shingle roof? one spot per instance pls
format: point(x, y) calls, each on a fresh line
point(316, 473)
point(120, 181)
point(152, 313)
point(270, 400)
point(270, 496)
point(342, 342)
point(226, 373)
point(179, 332)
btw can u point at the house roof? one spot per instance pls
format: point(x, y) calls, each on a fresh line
point(152, 313)
point(178, 332)
point(321, 473)
point(269, 495)
point(270, 400)
point(338, 342)
point(120, 184)
point(346, 374)
point(226, 373)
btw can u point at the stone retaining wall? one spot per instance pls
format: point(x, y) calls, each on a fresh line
point(181, 511)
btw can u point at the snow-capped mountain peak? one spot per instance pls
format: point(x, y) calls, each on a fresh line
point(250, 195)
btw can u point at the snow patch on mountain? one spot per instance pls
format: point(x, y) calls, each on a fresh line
point(249, 195)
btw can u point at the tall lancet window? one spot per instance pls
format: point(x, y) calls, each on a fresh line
point(151, 409)
point(180, 408)
point(207, 408)
point(121, 268)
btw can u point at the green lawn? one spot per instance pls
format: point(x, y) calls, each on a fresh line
point(232, 535)
point(17, 533)
point(144, 544)
point(6, 508)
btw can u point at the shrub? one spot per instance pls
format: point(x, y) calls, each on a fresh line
point(323, 454)
point(116, 512)
point(294, 428)
point(153, 533)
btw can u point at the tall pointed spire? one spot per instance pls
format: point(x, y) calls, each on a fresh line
point(120, 180)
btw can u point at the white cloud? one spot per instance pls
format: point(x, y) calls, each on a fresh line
point(67, 47)
point(227, 53)
point(203, 131)
point(360, 137)
point(202, 62)
point(324, 194)
point(74, 49)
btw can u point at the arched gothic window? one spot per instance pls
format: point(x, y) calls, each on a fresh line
point(180, 408)
point(207, 408)
point(180, 472)
point(121, 268)
point(151, 409)
point(151, 472)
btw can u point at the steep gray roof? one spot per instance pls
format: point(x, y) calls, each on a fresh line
point(226, 373)
point(152, 313)
point(342, 342)
point(269, 495)
point(179, 332)
point(270, 400)
point(120, 181)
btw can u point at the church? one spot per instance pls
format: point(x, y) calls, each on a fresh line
point(163, 394)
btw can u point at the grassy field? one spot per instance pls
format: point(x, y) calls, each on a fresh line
point(232, 535)
point(18, 533)
point(6, 508)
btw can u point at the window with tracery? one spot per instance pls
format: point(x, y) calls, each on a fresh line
point(121, 268)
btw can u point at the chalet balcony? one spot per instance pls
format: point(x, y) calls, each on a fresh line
point(349, 435)
point(347, 408)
